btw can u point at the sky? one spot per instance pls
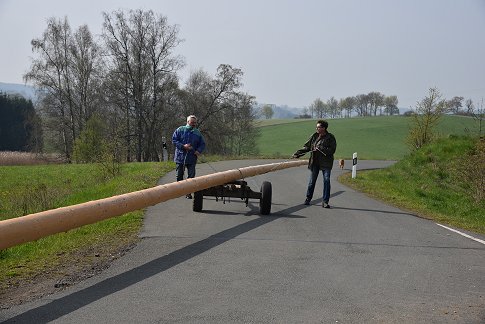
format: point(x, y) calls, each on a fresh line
point(294, 51)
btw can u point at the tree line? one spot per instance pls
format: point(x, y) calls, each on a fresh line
point(375, 103)
point(20, 127)
point(360, 105)
point(121, 92)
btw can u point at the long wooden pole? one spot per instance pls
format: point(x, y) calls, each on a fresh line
point(31, 227)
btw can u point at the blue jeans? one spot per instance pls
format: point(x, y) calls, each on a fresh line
point(314, 171)
point(181, 170)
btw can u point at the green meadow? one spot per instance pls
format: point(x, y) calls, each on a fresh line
point(432, 183)
point(373, 138)
point(30, 189)
point(442, 181)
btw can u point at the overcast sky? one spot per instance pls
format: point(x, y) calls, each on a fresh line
point(294, 51)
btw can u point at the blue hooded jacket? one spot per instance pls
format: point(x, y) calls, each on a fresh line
point(184, 135)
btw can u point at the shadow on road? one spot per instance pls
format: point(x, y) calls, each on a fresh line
point(377, 211)
point(65, 305)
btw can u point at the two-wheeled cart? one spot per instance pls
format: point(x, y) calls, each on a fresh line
point(236, 189)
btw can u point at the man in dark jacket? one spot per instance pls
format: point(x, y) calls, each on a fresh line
point(189, 144)
point(322, 146)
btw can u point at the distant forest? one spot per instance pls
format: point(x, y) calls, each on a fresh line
point(20, 126)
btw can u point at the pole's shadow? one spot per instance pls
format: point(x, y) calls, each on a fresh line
point(67, 304)
point(76, 300)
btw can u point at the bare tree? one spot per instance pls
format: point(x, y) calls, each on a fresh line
point(376, 101)
point(63, 69)
point(305, 112)
point(362, 104)
point(311, 110)
point(341, 107)
point(124, 42)
point(478, 114)
point(453, 105)
point(225, 115)
point(206, 97)
point(86, 70)
point(267, 111)
point(162, 39)
point(347, 104)
point(227, 81)
point(427, 114)
point(195, 97)
point(46, 72)
point(318, 108)
point(470, 107)
point(140, 46)
point(332, 107)
point(390, 103)
point(240, 134)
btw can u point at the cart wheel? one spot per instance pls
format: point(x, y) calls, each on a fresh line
point(198, 201)
point(265, 201)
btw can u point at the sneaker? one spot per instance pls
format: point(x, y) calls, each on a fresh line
point(325, 205)
point(307, 202)
point(189, 196)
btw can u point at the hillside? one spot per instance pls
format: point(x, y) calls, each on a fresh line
point(26, 91)
point(442, 181)
point(373, 138)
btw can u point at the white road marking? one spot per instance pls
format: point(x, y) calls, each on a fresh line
point(463, 234)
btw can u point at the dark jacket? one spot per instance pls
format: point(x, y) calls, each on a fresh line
point(184, 135)
point(323, 153)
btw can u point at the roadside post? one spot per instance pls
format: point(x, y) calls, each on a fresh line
point(354, 165)
point(164, 149)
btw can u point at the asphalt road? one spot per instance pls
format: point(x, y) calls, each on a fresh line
point(361, 261)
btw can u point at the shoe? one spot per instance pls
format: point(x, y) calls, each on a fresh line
point(325, 205)
point(307, 202)
point(189, 196)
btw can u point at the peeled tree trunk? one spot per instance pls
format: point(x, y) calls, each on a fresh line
point(31, 227)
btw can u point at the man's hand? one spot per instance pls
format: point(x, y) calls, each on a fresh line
point(197, 153)
point(187, 147)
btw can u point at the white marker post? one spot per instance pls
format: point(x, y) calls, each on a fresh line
point(354, 165)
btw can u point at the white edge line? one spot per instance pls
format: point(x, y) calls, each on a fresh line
point(463, 234)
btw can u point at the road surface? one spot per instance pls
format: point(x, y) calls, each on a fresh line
point(361, 261)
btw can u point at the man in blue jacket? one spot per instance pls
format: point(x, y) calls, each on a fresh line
point(189, 144)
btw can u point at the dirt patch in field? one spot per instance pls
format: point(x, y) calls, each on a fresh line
point(73, 268)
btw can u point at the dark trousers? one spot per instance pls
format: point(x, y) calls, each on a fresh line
point(314, 171)
point(181, 170)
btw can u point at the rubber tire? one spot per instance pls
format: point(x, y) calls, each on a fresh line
point(198, 201)
point(265, 201)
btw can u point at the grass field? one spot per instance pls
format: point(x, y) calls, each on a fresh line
point(373, 138)
point(430, 182)
point(432, 189)
point(442, 181)
point(30, 189)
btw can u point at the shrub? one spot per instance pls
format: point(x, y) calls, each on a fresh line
point(471, 171)
point(428, 113)
point(92, 146)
